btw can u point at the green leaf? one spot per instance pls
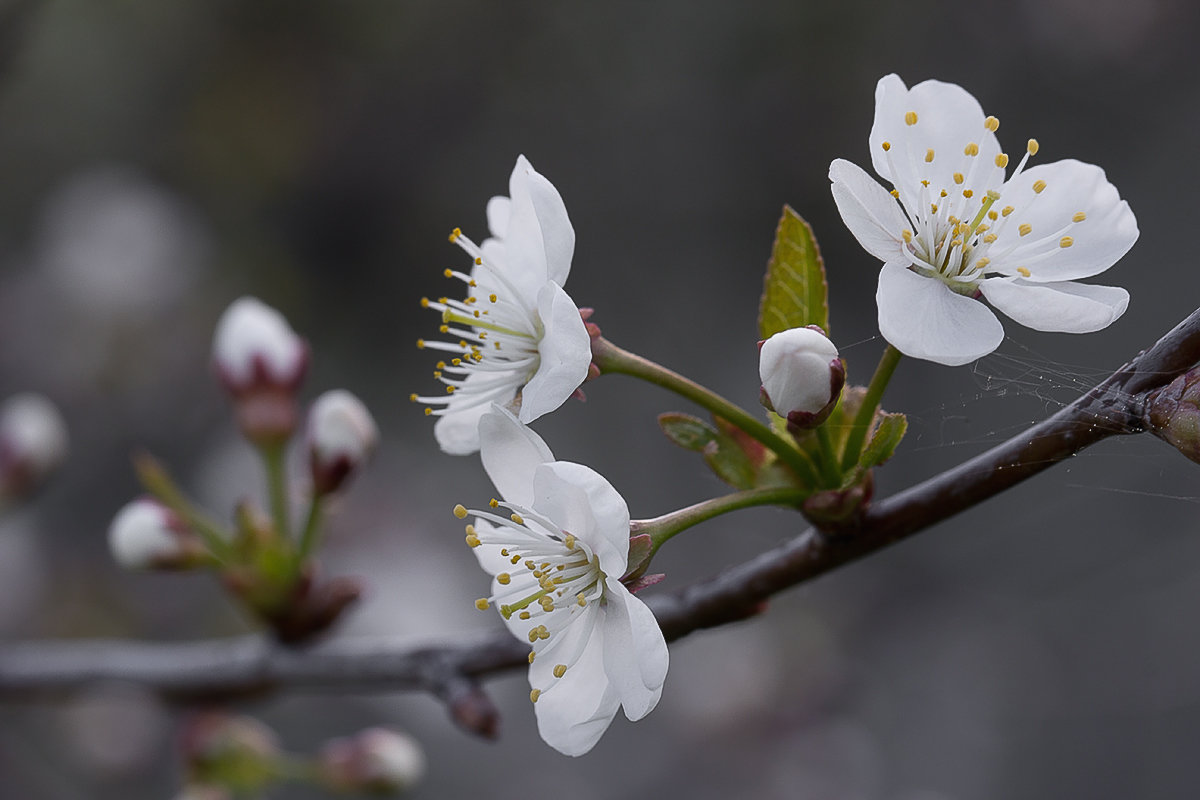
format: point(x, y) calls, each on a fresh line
point(730, 463)
point(888, 433)
point(690, 433)
point(794, 290)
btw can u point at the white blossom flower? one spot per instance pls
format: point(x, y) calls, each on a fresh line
point(145, 534)
point(557, 545)
point(517, 327)
point(254, 346)
point(33, 442)
point(801, 373)
point(341, 436)
point(961, 230)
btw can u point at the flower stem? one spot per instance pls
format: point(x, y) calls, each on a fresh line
point(156, 480)
point(828, 464)
point(866, 412)
point(610, 358)
point(663, 528)
point(312, 529)
point(275, 461)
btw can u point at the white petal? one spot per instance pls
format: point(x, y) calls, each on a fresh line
point(511, 453)
point(488, 555)
point(565, 352)
point(948, 119)
point(498, 210)
point(635, 652)
point(868, 209)
point(1062, 307)
point(1097, 242)
point(580, 501)
point(540, 240)
point(924, 319)
point(558, 235)
point(457, 431)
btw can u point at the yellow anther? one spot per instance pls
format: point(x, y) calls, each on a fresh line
point(925, 184)
point(482, 604)
point(580, 600)
point(971, 149)
point(473, 540)
point(449, 389)
point(993, 216)
point(929, 156)
point(1024, 271)
point(412, 398)
point(895, 193)
point(460, 511)
point(533, 632)
point(991, 237)
point(424, 302)
point(1024, 229)
point(887, 146)
point(504, 552)
point(437, 375)
point(531, 656)
point(1002, 160)
point(503, 578)
point(1039, 186)
point(907, 234)
point(443, 329)
point(525, 615)
point(472, 300)
point(968, 193)
point(534, 695)
point(1032, 147)
point(514, 560)
point(983, 262)
point(1066, 241)
point(569, 541)
point(492, 298)
point(529, 565)
point(448, 273)
point(958, 177)
point(944, 193)
point(428, 412)
point(543, 633)
point(1006, 211)
point(910, 118)
point(515, 517)
point(420, 344)
point(454, 234)
point(560, 670)
point(933, 208)
point(494, 503)
point(956, 243)
point(992, 124)
point(1079, 217)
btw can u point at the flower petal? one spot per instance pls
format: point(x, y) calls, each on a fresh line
point(1072, 188)
point(868, 209)
point(511, 453)
point(635, 652)
point(540, 240)
point(1062, 307)
point(581, 502)
point(457, 431)
point(565, 352)
point(948, 119)
point(922, 318)
point(499, 209)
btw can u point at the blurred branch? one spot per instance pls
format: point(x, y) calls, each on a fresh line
point(217, 670)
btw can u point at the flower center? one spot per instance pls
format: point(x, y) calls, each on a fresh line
point(495, 342)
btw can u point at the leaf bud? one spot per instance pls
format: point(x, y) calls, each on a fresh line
point(237, 753)
point(341, 437)
point(1172, 413)
point(802, 376)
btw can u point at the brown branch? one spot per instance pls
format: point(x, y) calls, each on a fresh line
point(209, 671)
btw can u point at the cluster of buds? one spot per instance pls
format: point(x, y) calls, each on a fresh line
point(33, 443)
point(261, 361)
point(802, 376)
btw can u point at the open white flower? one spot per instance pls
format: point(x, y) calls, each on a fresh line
point(961, 230)
point(517, 327)
point(557, 546)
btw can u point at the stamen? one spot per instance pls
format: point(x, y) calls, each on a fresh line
point(1079, 217)
point(1032, 147)
point(971, 149)
point(482, 604)
point(910, 118)
point(887, 146)
point(929, 156)
point(992, 124)
point(1066, 241)
point(1006, 211)
point(1024, 271)
point(958, 177)
point(460, 510)
point(1024, 229)
point(534, 695)
point(1002, 160)
point(531, 656)
point(560, 670)
point(1039, 186)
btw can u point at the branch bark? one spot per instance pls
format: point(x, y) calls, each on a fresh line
point(218, 670)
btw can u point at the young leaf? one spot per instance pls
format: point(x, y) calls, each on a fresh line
point(888, 433)
point(730, 463)
point(687, 431)
point(794, 290)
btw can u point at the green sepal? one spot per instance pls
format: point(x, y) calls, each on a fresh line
point(889, 430)
point(795, 293)
point(690, 433)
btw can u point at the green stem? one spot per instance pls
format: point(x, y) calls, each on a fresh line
point(663, 528)
point(312, 529)
point(275, 461)
point(829, 460)
point(157, 481)
point(866, 412)
point(610, 358)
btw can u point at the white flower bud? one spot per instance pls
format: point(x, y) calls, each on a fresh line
point(801, 374)
point(254, 347)
point(341, 436)
point(145, 534)
point(376, 760)
point(33, 442)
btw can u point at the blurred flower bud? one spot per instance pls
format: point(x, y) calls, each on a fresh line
point(197, 791)
point(1173, 413)
point(802, 376)
point(33, 443)
point(261, 361)
point(375, 761)
point(145, 534)
point(341, 436)
point(236, 753)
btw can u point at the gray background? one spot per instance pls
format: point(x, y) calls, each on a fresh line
point(160, 159)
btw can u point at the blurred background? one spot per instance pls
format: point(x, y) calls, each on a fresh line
point(158, 160)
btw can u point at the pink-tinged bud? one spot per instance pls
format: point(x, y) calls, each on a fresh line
point(261, 362)
point(375, 761)
point(341, 437)
point(231, 752)
point(802, 376)
point(147, 535)
point(1173, 413)
point(33, 443)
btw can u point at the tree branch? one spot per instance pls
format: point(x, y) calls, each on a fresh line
point(210, 671)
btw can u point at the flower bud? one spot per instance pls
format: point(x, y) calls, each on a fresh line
point(802, 376)
point(33, 443)
point(231, 752)
point(341, 436)
point(375, 761)
point(261, 362)
point(1173, 413)
point(147, 535)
